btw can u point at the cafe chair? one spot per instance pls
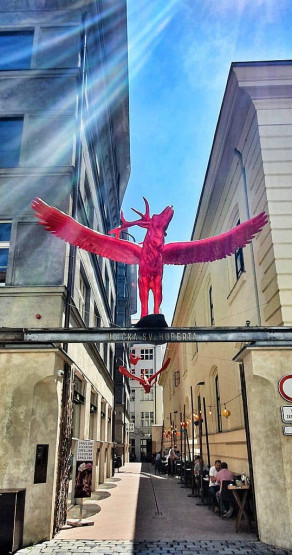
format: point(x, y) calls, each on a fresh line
point(226, 497)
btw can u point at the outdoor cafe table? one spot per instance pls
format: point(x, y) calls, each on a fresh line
point(241, 502)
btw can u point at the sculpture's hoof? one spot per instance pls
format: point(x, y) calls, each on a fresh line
point(152, 321)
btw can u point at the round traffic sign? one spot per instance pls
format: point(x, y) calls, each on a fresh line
point(285, 388)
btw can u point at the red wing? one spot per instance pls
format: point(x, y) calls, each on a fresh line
point(214, 248)
point(126, 372)
point(70, 230)
point(159, 371)
point(134, 360)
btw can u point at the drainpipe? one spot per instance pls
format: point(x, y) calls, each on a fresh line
point(243, 173)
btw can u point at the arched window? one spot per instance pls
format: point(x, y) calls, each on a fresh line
point(218, 404)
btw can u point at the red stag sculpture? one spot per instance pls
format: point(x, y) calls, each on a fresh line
point(153, 253)
point(146, 382)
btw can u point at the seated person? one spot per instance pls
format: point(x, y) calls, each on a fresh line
point(213, 485)
point(224, 475)
point(200, 470)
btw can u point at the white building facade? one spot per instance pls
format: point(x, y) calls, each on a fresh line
point(146, 409)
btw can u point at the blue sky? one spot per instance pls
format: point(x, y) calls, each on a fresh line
point(180, 53)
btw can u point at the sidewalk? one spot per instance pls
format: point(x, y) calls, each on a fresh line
point(138, 512)
point(143, 506)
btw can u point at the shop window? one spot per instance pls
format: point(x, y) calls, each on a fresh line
point(15, 49)
point(5, 232)
point(10, 141)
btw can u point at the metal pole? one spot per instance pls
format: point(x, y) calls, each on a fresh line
point(206, 428)
point(193, 442)
point(185, 446)
point(181, 447)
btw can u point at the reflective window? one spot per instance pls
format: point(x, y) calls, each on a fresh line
point(5, 232)
point(10, 141)
point(15, 49)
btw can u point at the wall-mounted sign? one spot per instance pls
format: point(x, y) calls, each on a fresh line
point(287, 430)
point(286, 413)
point(285, 388)
point(84, 450)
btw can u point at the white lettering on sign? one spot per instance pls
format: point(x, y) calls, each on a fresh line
point(287, 430)
point(84, 450)
point(286, 413)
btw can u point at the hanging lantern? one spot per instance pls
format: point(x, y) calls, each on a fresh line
point(210, 411)
point(226, 412)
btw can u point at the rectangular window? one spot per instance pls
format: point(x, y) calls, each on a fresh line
point(93, 414)
point(146, 396)
point(78, 401)
point(211, 306)
point(132, 417)
point(10, 141)
point(132, 396)
point(111, 361)
point(88, 203)
point(83, 298)
point(147, 372)
point(146, 419)
point(15, 49)
point(105, 354)
point(107, 283)
point(96, 322)
point(239, 260)
point(5, 232)
point(147, 354)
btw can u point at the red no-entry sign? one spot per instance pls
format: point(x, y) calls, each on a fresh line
point(285, 388)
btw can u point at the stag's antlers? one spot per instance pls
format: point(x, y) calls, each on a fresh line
point(143, 222)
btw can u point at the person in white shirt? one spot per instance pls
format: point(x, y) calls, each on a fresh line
point(213, 486)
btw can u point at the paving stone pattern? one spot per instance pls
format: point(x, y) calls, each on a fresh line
point(215, 547)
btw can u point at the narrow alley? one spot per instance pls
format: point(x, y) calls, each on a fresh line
point(138, 512)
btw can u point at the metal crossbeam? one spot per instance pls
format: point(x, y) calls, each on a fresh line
point(145, 335)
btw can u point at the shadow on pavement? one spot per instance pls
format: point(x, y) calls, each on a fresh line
point(165, 512)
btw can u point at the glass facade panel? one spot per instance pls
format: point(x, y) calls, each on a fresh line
point(15, 49)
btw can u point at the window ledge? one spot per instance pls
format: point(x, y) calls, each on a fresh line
point(236, 288)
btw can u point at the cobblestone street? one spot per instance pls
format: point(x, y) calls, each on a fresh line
point(137, 512)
